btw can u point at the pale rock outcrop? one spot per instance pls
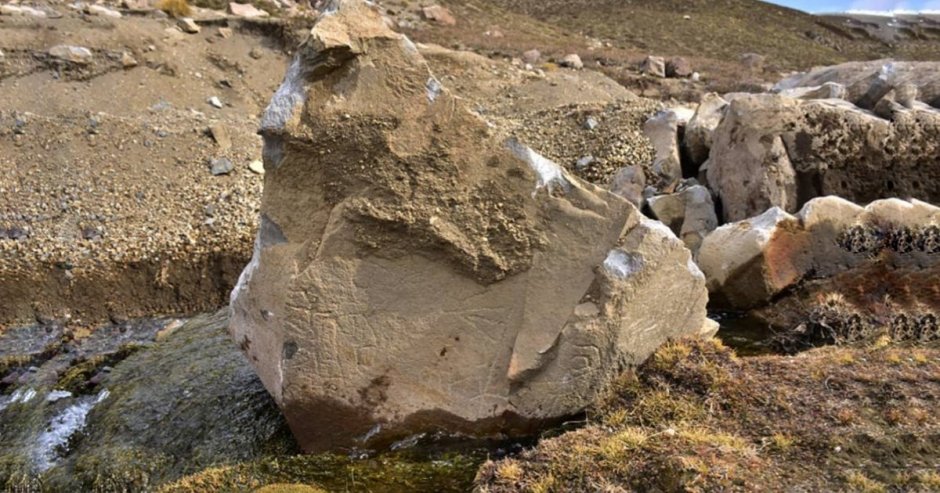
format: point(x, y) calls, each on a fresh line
point(74, 54)
point(415, 270)
point(245, 10)
point(867, 82)
point(740, 263)
point(771, 150)
point(749, 262)
point(748, 165)
point(699, 133)
point(663, 131)
point(829, 90)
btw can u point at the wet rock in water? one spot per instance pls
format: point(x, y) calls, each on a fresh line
point(75, 54)
point(771, 150)
point(398, 283)
point(749, 262)
point(663, 130)
point(629, 182)
point(190, 402)
point(700, 130)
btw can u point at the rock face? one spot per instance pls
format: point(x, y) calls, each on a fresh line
point(655, 66)
point(663, 131)
point(417, 271)
point(749, 262)
point(864, 81)
point(689, 213)
point(771, 150)
point(700, 130)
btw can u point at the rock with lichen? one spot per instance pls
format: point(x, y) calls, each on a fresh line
point(417, 270)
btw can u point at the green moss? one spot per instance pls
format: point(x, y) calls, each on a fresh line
point(75, 379)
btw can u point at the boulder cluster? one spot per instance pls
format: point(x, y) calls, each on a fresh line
point(417, 269)
point(421, 266)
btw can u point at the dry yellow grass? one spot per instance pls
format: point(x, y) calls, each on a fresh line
point(175, 8)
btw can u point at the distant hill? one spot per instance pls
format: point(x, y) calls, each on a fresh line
point(716, 29)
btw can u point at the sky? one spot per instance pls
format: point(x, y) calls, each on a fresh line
point(844, 5)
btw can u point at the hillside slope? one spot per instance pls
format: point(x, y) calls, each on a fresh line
point(721, 30)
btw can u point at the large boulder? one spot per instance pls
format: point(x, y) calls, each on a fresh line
point(415, 270)
point(749, 262)
point(771, 150)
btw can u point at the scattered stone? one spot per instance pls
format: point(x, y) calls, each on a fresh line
point(630, 182)
point(256, 167)
point(245, 10)
point(221, 166)
point(256, 53)
point(532, 57)
point(225, 32)
point(584, 162)
point(696, 77)
point(188, 25)
point(100, 10)
point(2, 57)
point(655, 66)
point(572, 61)
point(474, 339)
point(663, 131)
point(74, 54)
point(220, 134)
point(128, 60)
point(21, 10)
point(92, 233)
point(678, 67)
point(439, 14)
point(753, 61)
point(215, 102)
point(590, 123)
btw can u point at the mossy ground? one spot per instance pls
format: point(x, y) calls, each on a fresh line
point(696, 417)
point(389, 473)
